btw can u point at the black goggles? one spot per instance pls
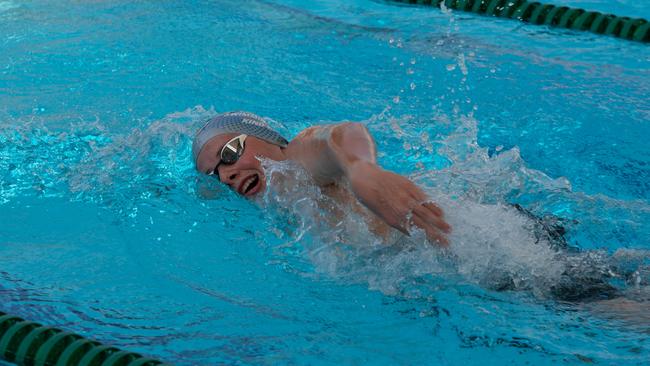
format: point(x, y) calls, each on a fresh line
point(230, 152)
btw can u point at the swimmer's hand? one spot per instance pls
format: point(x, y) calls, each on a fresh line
point(397, 201)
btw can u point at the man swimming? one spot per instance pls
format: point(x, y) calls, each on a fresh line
point(229, 146)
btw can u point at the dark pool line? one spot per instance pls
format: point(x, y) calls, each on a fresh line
point(633, 29)
point(27, 343)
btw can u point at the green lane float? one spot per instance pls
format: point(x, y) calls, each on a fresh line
point(27, 343)
point(551, 15)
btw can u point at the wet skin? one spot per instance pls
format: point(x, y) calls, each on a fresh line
point(331, 153)
point(247, 172)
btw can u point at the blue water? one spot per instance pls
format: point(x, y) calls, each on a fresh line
point(106, 230)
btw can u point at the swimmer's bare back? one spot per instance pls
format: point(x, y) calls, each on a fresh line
point(331, 153)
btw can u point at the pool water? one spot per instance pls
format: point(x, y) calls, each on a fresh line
point(107, 230)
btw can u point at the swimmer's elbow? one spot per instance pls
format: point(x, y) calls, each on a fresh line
point(351, 141)
point(355, 127)
point(329, 151)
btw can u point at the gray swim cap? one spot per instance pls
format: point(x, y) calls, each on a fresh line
point(235, 122)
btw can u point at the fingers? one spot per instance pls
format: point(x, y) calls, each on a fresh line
point(432, 214)
point(429, 217)
point(433, 234)
point(433, 208)
point(428, 210)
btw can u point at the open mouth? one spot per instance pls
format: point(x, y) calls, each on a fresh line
point(250, 185)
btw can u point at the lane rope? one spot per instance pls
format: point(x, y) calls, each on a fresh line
point(633, 29)
point(27, 343)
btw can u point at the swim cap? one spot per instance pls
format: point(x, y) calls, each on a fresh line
point(235, 122)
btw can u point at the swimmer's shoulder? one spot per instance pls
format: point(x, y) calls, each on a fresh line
point(309, 145)
point(314, 132)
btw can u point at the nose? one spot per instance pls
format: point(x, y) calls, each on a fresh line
point(228, 174)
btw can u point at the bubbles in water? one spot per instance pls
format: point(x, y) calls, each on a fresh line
point(462, 64)
point(395, 42)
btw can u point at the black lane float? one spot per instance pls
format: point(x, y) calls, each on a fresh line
point(634, 29)
point(27, 343)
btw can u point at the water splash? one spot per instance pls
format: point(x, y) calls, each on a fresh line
point(494, 244)
point(90, 161)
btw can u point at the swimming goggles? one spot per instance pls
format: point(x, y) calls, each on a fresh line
point(230, 153)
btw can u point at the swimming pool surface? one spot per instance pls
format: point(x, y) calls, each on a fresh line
point(107, 230)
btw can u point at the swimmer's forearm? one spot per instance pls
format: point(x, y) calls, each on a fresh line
point(347, 150)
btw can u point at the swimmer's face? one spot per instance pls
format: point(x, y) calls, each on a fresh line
point(246, 175)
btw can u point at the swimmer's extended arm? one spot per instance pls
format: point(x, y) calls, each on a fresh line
point(347, 150)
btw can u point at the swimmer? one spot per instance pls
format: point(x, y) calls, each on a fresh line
point(229, 146)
